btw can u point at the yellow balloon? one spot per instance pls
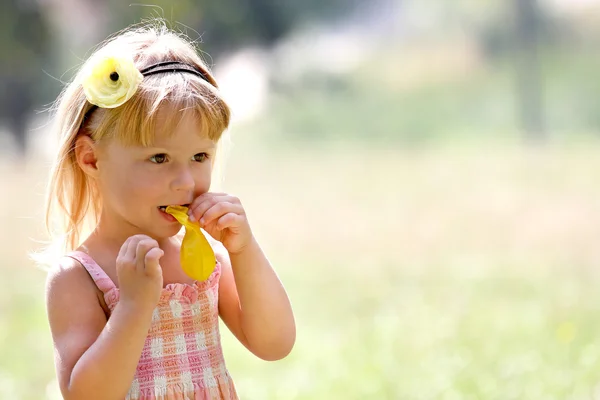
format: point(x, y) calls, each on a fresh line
point(197, 256)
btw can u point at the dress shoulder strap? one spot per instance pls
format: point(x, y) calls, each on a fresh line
point(100, 277)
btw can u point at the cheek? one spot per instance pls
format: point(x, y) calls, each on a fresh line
point(131, 189)
point(203, 181)
point(143, 187)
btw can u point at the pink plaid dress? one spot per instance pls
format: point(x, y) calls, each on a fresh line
point(182, 357)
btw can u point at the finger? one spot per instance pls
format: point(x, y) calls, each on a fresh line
point(123, 249)
point(203, 197)
point(196, 212)
point(218, 210)
point(151, 261)
point(212, 230)
point(129, 256)
point(199, 200)
point(143, 248)
point(132, 246)
point(134, 239)
point(230, 220)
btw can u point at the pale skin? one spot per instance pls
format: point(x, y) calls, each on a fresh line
point(138, 248)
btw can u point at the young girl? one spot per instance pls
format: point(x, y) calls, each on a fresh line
point(139, 127)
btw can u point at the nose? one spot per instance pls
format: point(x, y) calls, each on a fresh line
point(184, 180)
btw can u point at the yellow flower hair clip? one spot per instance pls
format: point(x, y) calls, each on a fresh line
point(197, 256)
point(110, 80)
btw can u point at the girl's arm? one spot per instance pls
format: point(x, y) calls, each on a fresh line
point(253, 303)
point(94, 358)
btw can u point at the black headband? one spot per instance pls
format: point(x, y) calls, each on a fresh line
point(174, 66)
point(165, 67)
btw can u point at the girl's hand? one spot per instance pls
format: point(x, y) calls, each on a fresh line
point(224, 218)
point(139, 272)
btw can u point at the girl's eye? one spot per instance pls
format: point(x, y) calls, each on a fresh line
point(159, 158)
point(200, 157)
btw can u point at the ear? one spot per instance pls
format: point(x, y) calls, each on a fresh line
point(86, 153)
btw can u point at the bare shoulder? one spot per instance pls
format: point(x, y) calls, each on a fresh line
point(70, 290)
point(66, 276)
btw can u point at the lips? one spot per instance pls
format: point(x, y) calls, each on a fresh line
point(169, 217)
point(164, 208)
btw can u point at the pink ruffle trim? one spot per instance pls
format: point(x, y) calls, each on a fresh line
point(172, 290)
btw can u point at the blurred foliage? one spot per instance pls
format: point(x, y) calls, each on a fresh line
point(479, 101)
point(479, 104)
point(24, 54)
point(227, 25)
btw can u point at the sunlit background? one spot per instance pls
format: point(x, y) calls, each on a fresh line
point(422, 173)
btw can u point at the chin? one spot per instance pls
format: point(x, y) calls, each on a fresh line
point(164, 233)
point(158, 232)
point(170, 231)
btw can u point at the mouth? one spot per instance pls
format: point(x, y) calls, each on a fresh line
point(164, 208)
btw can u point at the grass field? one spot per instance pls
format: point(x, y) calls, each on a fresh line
point(464, 272)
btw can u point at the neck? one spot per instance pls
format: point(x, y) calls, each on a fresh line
point(112, 231)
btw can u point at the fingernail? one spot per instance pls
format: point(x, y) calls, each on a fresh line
point(192, 218)
point(201, 221)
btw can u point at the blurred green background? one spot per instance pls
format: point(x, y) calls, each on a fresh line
point(423, 175)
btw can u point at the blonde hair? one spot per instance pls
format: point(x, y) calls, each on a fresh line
point(73, 204)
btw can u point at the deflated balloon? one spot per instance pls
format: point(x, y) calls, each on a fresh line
point(196, 256)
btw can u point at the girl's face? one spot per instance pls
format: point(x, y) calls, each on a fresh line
point(135, 182)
